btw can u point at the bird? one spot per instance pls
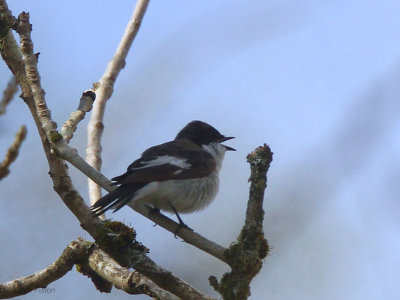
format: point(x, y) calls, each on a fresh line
point(180, 176)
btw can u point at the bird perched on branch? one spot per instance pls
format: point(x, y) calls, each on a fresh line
point(179, 176)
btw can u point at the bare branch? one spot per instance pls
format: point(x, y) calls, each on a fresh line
point(185, 234)
point(8, 95)
point(6, 16)
point(74, 253)
point(246, 256)
point(122, 278)
point(85, 105)
point(12, 55)
point(164, 278)
point(99, 263)
point(12, 152)
point(104, 92)
point(81, 252)
point(260, 160)
point(30, 63)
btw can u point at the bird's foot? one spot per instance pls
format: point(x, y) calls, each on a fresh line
point(180, 226)
point(153, 211)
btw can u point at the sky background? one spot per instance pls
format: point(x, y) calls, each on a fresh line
point(319, 81)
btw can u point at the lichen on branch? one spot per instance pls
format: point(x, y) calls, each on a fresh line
point(246, 255)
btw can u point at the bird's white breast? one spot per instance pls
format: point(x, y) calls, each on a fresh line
point(185, 196)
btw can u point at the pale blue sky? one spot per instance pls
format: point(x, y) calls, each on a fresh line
point(316, 80)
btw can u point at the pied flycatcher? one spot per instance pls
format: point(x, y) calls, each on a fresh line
point(179, 176)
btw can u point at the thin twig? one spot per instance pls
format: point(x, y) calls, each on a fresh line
point(104, 91)
point(8, 95)
point(12, 152)
point(85, 105)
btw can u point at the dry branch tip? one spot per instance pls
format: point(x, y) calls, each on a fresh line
point(12, 152)
point(87, 100)
point(246, 255)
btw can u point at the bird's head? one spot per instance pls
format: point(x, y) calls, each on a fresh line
point(203, 134)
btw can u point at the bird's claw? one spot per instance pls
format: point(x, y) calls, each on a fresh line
point(180, 226)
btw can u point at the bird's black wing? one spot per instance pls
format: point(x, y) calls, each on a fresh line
point(159, 163)
point(168, 161)
point(115, 199)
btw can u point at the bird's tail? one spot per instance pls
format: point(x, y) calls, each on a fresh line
point(115, 199)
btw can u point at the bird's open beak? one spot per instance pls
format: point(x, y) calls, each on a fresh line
point(227, 138)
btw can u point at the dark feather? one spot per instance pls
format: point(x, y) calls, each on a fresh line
point(201, 164)
point(115, 199)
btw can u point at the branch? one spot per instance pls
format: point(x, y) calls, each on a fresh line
point(246, 256)
point(7, 19)
point(74, 253)
point(85, 105)
point(185, 234)
point(10, 51)
point(131, 282)
point(163, 278)
point(24, 29)
point(104, 92)
point(12, 152)
point(100, 263)
point(8, 95)
point(259, 160)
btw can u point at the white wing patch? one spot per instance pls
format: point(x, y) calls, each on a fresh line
point(163, 160)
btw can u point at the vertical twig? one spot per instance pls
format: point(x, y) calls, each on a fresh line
point(85, 106)
point(29, 59)
point(8, 95)
point(104, 91)
point(12, 152)
point(246, 256)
